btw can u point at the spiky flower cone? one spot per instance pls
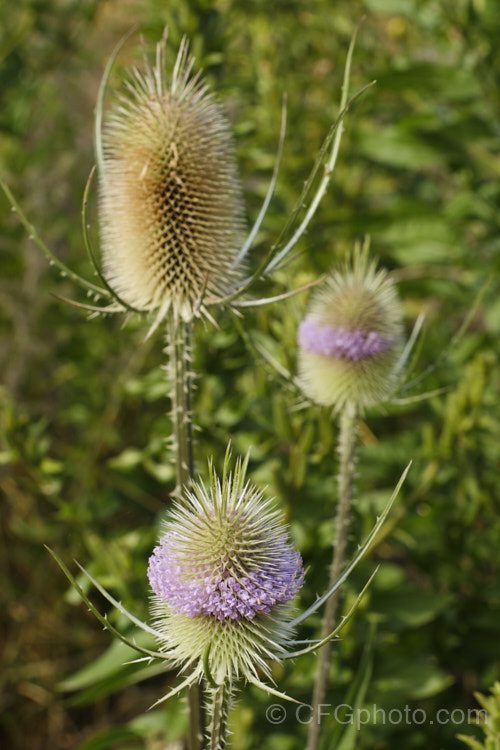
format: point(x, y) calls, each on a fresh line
point(170, 199)
point(222, 576)
point(351, 338)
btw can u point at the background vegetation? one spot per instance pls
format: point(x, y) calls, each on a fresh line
point(84, 466)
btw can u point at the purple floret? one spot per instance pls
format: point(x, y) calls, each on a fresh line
point(226, 592)
point(340, 342)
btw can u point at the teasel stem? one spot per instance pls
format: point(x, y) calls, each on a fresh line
point(180, 383)
point(346, 449)
point(218, 707)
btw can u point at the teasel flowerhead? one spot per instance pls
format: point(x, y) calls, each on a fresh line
point(171, 210)
point(223, 576)
point(351, 339)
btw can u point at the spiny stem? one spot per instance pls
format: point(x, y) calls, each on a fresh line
point(219, 704)
point(180, 384)
point(346, 449)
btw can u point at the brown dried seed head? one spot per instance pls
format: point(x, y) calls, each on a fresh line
point(171, 209)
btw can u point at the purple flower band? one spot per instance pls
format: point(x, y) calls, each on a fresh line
point(228, 592)
point(340, 342)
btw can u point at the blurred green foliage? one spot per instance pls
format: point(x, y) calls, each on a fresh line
point(84, 463)
point(489, 720)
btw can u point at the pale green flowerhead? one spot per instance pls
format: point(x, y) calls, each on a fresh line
point(223, 575)
point(351, 338)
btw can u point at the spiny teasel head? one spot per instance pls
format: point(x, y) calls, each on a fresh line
point(171, 210)
point(222, 576)
point(351, 338)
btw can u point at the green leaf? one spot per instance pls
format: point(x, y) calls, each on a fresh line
point(413, 679)
point(127, 459)
point(454, 83)
point(471, 742)
point(392, 7)
point(108, 664)
point(344, 737)
point(109, 738)
point(115, 682)
point(398, 148)
point(409, 606)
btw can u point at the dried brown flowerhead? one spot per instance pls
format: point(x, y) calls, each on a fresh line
point(171, 210)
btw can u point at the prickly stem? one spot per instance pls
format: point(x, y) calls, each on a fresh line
point(347, 450)
point(180, 383)
point(218, 707)
point(179, 353)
